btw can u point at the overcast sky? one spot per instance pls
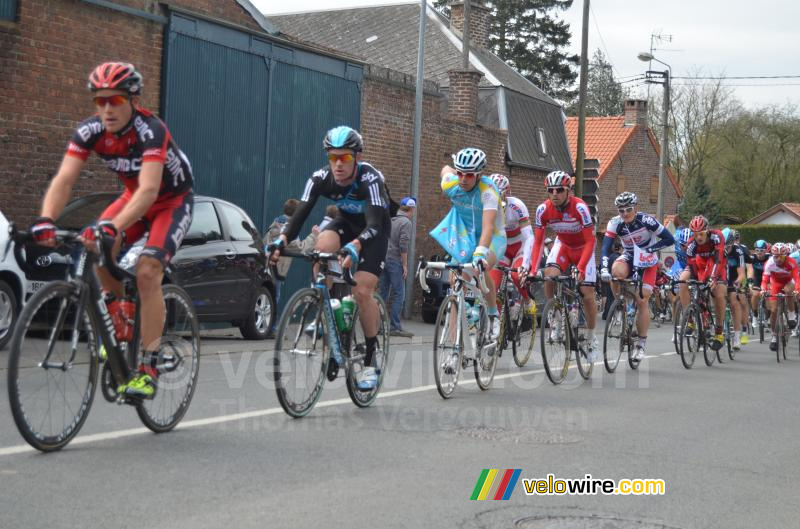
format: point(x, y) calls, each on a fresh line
point(715, 37)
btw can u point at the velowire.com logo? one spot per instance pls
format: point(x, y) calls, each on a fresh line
point(496, 484)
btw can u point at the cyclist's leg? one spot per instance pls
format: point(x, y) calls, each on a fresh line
point(370, 267)
point(620, 269)
point(497, 275)
point(587, 289)
point(556, 264)
point(496, 248)
point(683, 289)
point(643, 302)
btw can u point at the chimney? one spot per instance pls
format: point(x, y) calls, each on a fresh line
point(462, 97)
point(480, 18)
point(635, 112)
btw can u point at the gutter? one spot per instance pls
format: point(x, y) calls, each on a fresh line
point(140, 13)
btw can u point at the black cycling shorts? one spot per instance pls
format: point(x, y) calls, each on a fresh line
point(373, 253)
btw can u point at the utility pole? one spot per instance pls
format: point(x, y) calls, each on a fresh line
point(579, 154)
point(465, 32)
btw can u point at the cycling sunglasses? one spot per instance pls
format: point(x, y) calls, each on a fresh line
point(556, 190)
point(625, 211)
point(462, 174)
point(701, 233)
point(115, 100)
point(346, 158)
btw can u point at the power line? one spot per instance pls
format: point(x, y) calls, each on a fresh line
point(602, 40)
point(742, 84)
point(725, 77)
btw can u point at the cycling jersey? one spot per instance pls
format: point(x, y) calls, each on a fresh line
point(363, 203)
point(145, 139)
point(736, 258)
point(574, 231)
point(644, 231)
point(779, 275)
point(758, 267)
point(708, 257)
point(470, 205)
point(519, 235)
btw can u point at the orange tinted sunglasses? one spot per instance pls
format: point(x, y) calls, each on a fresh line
point(346, 158)
point(115, 100)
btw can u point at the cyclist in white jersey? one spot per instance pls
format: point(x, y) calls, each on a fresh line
point(519, 239)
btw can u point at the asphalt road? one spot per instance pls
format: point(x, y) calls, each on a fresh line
point(723, 439)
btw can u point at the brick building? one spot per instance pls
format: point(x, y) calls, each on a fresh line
point(629, 156)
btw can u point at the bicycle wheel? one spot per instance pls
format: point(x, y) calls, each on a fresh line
point(178, 363)
point(677, 311)
point(614, 336)
point(52, 367)
point(301, 353)
point(761, 321)
point(581, 344)
point(783, 333)
point(689, 339)
point(486, 354)
point(631, 336)
point(448, 353)
point(729, 339)
point(524, 337)
point(727, 331)
point(555, 341)
point(355, 346)
point(709, 354)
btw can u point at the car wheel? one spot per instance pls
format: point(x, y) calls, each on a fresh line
point(8, 312)
point(262, 314)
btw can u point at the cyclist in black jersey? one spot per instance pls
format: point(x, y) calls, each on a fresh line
point(360, 232)
point(158, 182)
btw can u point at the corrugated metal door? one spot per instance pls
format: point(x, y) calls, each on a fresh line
point(250, 115)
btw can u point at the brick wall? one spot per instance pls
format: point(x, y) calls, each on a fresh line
point(480, 21)
point(45, 58)
point(462, 98)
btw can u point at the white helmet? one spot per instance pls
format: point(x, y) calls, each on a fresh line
point(500, 182)
point(469, 160)
point(558, 178)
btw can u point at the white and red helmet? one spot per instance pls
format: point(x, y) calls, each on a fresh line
point(500, 182)
point(558, 178)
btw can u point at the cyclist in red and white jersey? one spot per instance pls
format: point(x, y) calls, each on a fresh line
point(780, 273)
point(157, 198)
point(519, 239)
point(569, 217)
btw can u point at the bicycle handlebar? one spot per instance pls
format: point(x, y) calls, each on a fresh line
point(315, 257)
point(441, 265)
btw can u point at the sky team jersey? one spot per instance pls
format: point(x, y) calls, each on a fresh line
point(737, 257)
point(470, 205)
point(145, 139)
point(780, 274)
point(364, 203)
point(644, 231)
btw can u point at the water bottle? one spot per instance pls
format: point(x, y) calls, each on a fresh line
point(473, 315)
point(338, 314)
point(348, 311)
point(127, 315)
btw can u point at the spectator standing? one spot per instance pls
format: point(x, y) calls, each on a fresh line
point(396, 269)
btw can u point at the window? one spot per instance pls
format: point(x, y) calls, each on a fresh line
point(8, 10)
point(235, 219)
point(654, 189)
point(541, 142)
point(620, 183)
point(205, 221)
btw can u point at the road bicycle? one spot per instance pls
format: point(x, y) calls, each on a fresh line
point(517, 327)
point(782, 331)
point(564, 329)
point(56, 351)
point(462, 324)
point(697, 325)
point(311, 347)
point(621, 334)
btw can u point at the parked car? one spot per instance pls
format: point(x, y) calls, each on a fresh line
point(439, 284)
point(221, 262)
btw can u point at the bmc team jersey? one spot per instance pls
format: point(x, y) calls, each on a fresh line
point(645, 232)
point(574, 233)
point(707, 257)
point(144, 139)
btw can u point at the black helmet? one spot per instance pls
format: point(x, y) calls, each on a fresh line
point(343, 138)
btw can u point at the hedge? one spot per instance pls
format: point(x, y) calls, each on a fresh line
point(750, 233)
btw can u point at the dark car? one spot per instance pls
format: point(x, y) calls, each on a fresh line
point(221, 263)
point(439, 284)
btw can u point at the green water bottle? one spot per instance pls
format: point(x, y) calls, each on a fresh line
point(348, 310)
point(338, 314)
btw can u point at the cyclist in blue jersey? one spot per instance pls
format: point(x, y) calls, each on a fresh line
point(477, 203)
point(360, 233)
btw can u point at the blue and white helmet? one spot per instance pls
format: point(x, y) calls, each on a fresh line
point(469, 160)
point(343, 137)
point(682, 235)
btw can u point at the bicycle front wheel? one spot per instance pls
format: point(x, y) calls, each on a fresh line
point(486, 353)
point(448, 350)
point(524, 337)
point(585, 366)
point(301, 353)
point(52, 367)
point(689, 340)
point(357, 347)
point(555, 341)
point(615, 340)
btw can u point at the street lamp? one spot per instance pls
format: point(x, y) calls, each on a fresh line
point(664, 158)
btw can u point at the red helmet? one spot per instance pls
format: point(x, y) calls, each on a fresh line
point(116, 76)
point(699, 223)
point(558, 178)
point(780, 248)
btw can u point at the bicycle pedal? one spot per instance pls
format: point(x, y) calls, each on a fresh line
point(333, 369)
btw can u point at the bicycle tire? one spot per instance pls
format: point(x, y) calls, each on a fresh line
point(446, 382)
point(555, 316)
point(690, 340)
point(727, 331)
point(25, 358)
point(783, 336)
point(585, 366)
point(633, 363)
point(709, 354)
point(522, 344)
point(178, 363)
point(361, 398)
point(761, 320)
point(677, 312)
point(614, 336)
point(485, 363)
point(310, 301)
